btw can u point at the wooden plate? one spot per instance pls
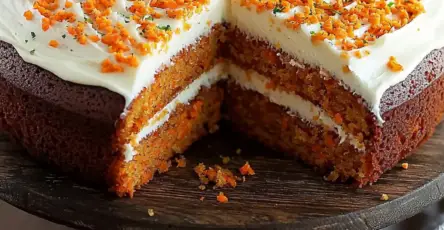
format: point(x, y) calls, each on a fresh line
point(283, 193)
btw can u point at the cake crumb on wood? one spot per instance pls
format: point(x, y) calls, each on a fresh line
point(246, 169)
point(181, 162)
point(384, 197)
point(405, 165)
point(225, 160)
point(151, 212)
point(222, 198)
point(202, 198)
point(220, 176)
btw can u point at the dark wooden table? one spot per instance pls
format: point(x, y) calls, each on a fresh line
point(282, 194)
point(431, 218)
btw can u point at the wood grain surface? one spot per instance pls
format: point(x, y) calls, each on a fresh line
point(284, 194)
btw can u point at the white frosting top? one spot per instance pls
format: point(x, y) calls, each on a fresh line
point(369, 76)
point(81, 64)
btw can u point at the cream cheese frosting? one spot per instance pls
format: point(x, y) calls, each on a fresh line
point(368, 77)
point(80, 64)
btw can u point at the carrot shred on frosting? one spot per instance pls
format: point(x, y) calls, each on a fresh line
point(114, 34)
point(338, 19)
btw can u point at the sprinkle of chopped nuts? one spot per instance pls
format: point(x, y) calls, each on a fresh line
point(151, 212)
point(225, 160)
point(393, 65)
point(113, 34)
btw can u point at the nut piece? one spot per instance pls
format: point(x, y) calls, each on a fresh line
point(151, 212)
point(384, 197)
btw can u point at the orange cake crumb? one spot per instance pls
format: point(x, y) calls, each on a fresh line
point(218, 175)
point(181, 162)
point(222, 198)
point(405, 165)
point(28, 15)
point(164, 166)
point(246, 169)
point(54, 43)
point(393, 65)
point(68, 4)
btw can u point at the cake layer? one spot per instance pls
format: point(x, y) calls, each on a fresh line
point(186, 124)
point(75, 143)
point(207, 79)
point(189, 64)
point(407, 127)
point(295, 104)
point(276, 127)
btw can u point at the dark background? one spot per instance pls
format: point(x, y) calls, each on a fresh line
point(15, 219)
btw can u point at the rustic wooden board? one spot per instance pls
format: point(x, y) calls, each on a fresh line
point(283, 194)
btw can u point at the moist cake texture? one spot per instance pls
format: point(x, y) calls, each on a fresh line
point(111, 90)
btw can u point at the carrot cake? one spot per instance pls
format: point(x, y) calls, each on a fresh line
point(111, 90)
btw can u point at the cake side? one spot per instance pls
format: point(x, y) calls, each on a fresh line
point(92, 102)
point(78, 145)
point(406, 128)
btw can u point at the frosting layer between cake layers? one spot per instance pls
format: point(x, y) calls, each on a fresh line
point(369, 76)
point(80, 64)
point(188, 94)
point(296, 105)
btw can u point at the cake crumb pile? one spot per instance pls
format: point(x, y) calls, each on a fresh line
point(220, 176)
